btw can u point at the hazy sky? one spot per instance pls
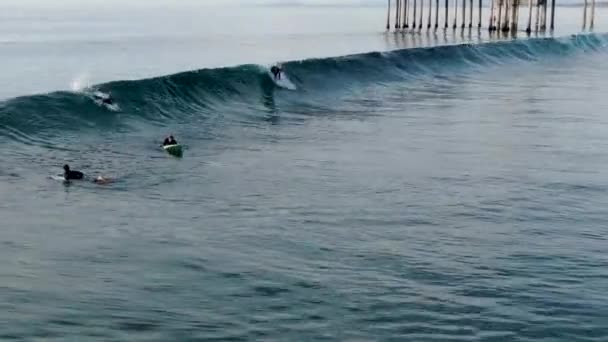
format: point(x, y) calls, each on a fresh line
point(178, 2)
point(182, 3)
point(44, 5)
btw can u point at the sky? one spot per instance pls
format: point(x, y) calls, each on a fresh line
point(174, 2)
point(82, 3)
point(50, 4)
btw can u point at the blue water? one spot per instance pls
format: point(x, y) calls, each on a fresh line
point(418, 188)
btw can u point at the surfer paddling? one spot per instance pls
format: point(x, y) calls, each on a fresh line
point(69, 175)
point(170, 140)
point(171, 146)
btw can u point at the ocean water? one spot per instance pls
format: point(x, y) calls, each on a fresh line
point(413, 187)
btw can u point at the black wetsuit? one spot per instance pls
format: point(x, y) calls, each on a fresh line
point(166, 142)
point(172, 142)
point(276, 71)
point(68, 175)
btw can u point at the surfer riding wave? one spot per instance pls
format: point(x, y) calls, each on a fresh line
point(276, 71)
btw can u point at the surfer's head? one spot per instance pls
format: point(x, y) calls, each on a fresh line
point(66, 167)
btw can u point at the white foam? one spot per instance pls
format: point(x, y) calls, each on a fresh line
point(80, 82)
point(284, 82)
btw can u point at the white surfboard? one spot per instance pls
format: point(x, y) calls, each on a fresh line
point(283, 82)
point(175, 150)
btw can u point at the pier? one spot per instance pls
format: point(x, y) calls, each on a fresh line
point(503, 15)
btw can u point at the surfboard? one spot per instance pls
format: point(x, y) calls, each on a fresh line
point(283, 82)
point(58, 178)
point(175, 150)
point(102, 180)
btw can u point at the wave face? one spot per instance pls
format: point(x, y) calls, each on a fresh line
point(182, 96)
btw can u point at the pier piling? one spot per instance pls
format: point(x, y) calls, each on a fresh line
point(515, 16)
point(536, 24)
point(552, 15)
point(428, 26)
point(592, 14)
point(479, 24)
point(421, 14)
point(464, 13)
point(405, 5)
point(529, 29)
point(471, 14)
point(505, 24)
point(499, 24)
point(436, 15)
point(585, 16)
point(544, 26)
point(456, 13)
point(414, 16)
point(491, 24)
point(388, 17)
point(447, 5)
point(398, 3)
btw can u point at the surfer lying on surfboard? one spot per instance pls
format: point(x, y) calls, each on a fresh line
point(103, 98)
point(69, 175)
point(171, 146)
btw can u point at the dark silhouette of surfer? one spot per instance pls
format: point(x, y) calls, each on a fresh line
point(105, 99)
point(276, 72)
point(170, 140)
point(69, 175)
